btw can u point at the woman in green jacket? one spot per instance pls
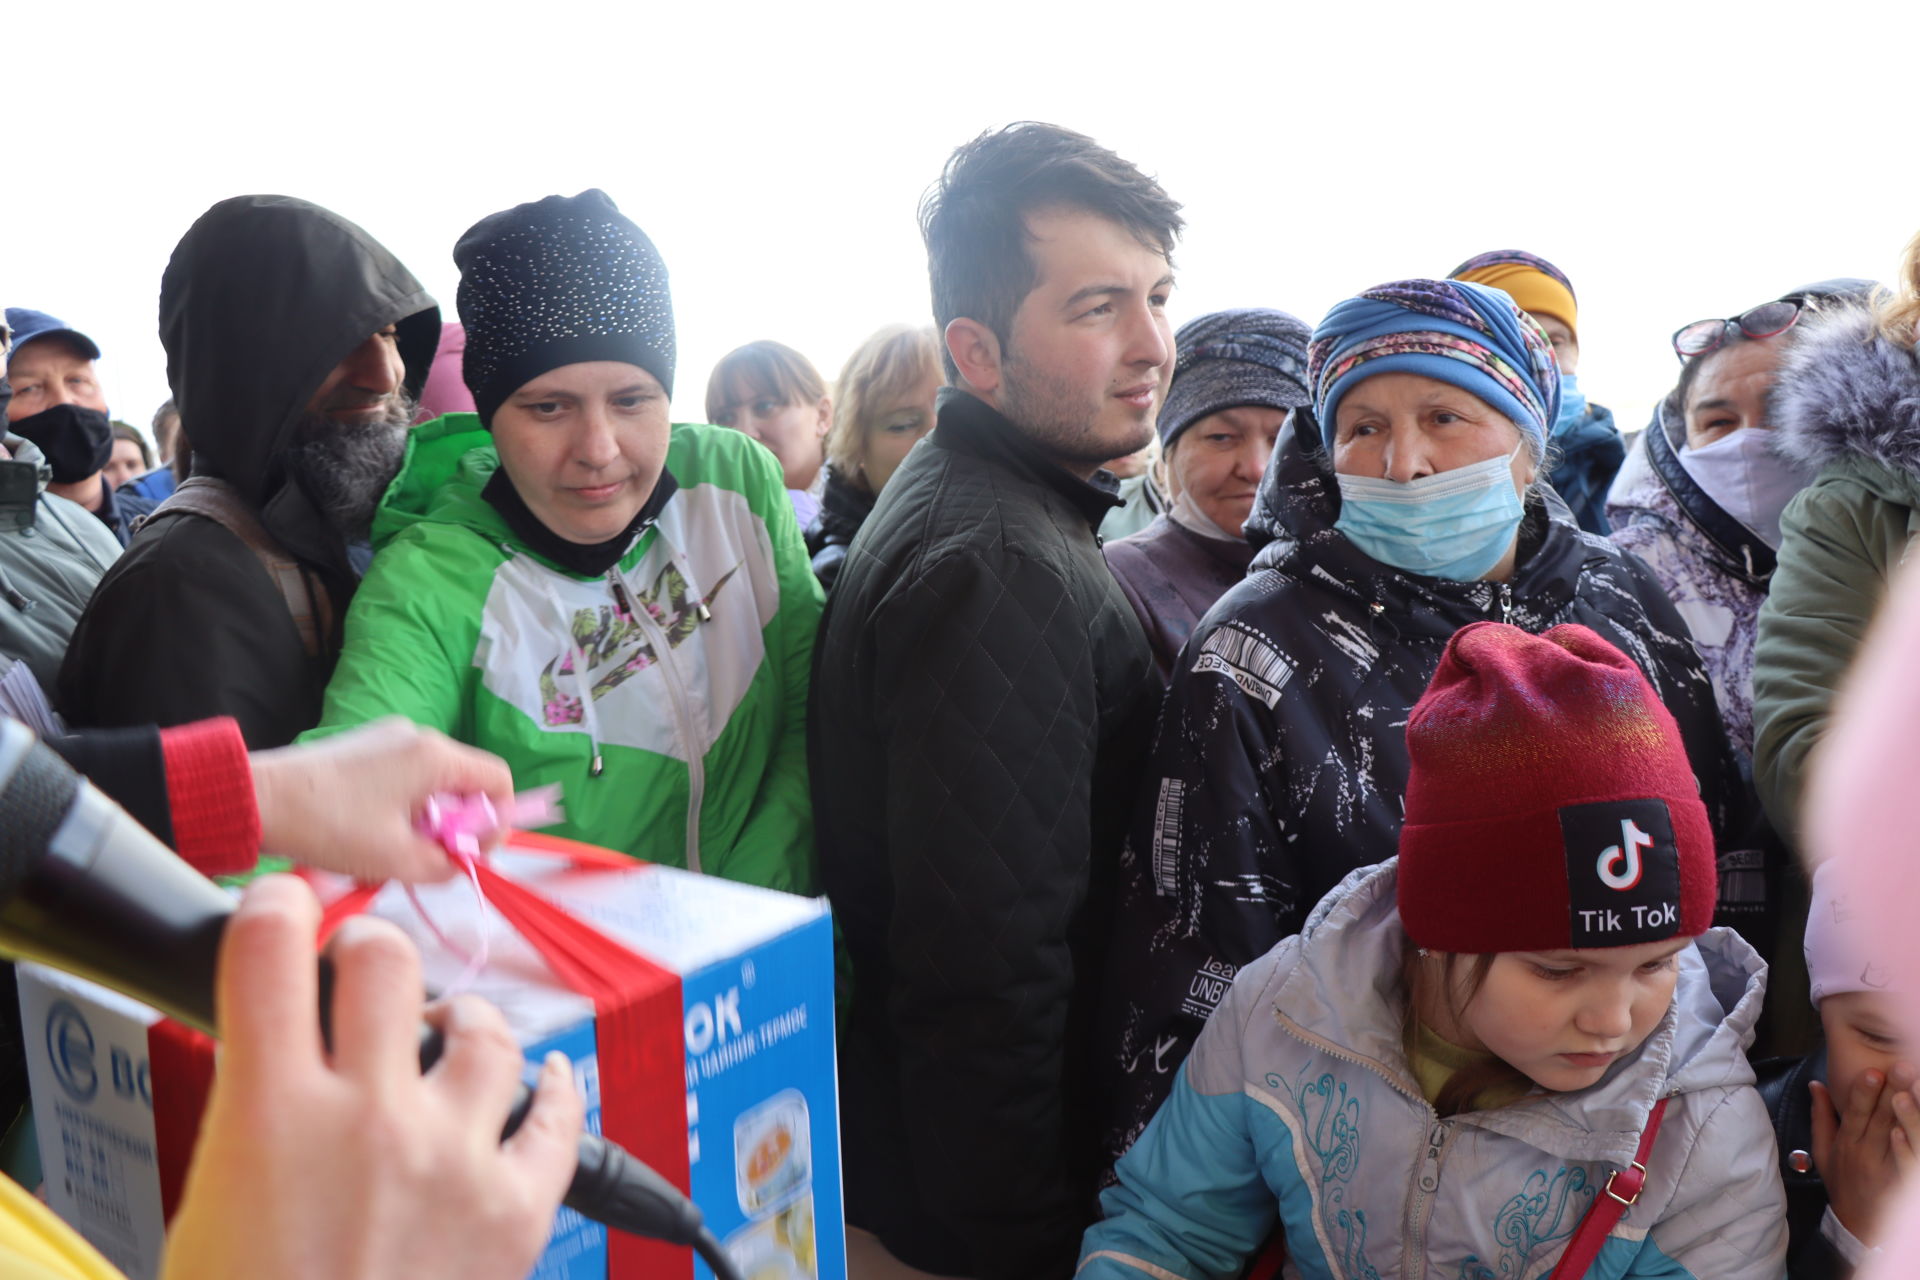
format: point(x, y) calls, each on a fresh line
point(608, 601)
point(1846, 400)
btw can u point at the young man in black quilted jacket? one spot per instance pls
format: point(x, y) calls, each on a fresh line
point(982, 695)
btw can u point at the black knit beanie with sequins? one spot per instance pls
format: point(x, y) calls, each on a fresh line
point(560, 281)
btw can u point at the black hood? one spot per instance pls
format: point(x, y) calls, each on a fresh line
point(264, 295)
point(1292, 530)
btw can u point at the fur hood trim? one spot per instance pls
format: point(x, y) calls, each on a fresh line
point(1843, 392)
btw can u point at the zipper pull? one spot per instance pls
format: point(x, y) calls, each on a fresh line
point(620, 596)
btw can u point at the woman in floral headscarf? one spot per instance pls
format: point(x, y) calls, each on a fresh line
point(1400, 507)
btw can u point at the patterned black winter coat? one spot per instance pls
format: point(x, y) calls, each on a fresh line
point(1280, 760)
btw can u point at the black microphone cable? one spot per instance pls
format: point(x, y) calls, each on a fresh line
point(610, 1185)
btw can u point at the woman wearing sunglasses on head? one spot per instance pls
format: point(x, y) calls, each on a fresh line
point(1699, 498)
point(1846, 403)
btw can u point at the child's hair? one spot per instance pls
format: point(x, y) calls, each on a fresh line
point(770, 369)
point(1469, 1083)
point(890, 363)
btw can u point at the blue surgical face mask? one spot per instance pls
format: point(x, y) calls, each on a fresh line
point(1456, 525)
point(1573, 404)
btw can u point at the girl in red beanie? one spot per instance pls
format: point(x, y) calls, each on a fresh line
point(1515, 1050)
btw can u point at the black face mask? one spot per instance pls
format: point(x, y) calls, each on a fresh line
point(76, 441)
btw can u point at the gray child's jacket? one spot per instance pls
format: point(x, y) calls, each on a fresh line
point(1297, 1108)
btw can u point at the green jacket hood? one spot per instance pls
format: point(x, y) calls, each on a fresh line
point(447, 463)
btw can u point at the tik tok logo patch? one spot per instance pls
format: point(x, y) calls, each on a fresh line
point(1623, 873)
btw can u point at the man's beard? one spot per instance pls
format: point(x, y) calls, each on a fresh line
point(1060, 417)
point(345, 467)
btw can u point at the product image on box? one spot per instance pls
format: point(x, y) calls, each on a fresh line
point(771, 1159)
point(779, 1246)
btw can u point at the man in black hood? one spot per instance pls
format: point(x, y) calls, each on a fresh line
point(295, 344)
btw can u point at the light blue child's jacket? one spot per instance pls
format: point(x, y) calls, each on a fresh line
point(1297, 1107)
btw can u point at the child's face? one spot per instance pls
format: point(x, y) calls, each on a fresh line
point(1861, 1036)
point(1561, 1018)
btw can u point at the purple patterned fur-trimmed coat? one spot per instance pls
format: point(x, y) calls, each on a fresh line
point(1718, 595)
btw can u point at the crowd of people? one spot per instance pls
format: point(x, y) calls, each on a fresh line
point(1306, 790)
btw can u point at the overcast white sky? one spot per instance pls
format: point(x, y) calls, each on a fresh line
point(1677, 160)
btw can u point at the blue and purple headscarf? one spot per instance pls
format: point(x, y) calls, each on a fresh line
point(1467, 335)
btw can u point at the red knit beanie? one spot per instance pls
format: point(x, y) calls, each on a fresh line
point(1550, 803)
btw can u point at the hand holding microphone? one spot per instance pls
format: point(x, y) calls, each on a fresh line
point(356, 1163)
point(86, 889)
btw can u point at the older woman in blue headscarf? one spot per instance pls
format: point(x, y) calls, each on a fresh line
point(1403, 505)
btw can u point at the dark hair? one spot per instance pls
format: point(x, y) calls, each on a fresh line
point(123, 431)
point(974, 220)
point(764, 368)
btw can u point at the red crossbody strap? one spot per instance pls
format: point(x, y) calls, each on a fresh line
point(1622, 1189)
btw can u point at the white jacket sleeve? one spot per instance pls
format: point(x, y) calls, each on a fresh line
point(1727, 1219)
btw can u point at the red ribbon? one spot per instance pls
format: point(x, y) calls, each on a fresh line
point(638, 1011)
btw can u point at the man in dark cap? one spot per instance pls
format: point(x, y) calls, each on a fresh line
point(58, 405)
point(52, 553)
point(295, 343)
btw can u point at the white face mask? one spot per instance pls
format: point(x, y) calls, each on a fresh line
point(1187, 514)
point(1751, 482)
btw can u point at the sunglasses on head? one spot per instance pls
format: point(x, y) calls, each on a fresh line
point(1764, 321)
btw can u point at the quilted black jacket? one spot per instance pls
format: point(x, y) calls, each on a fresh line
point(1281, 756)
point(982, 696)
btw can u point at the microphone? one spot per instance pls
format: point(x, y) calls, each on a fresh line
point(86, 889)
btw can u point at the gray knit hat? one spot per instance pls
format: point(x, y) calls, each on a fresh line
point(1251, 356)
point(559, 281)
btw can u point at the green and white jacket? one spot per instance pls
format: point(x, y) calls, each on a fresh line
point(667, 698)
